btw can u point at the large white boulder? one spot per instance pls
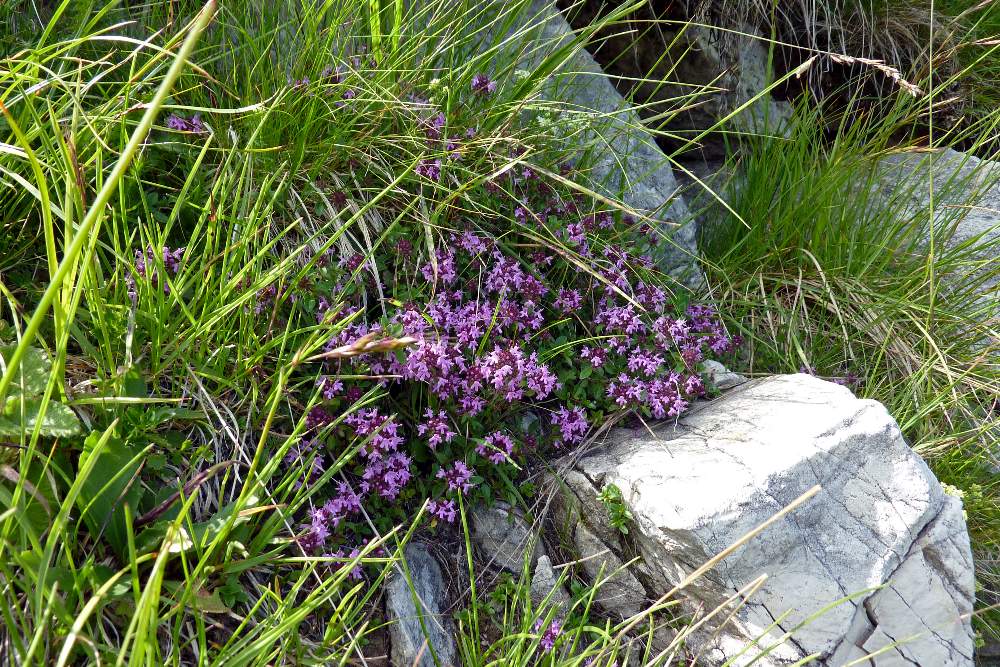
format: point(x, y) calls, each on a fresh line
point(881, 537)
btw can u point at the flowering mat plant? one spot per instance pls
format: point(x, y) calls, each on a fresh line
point(515, 337)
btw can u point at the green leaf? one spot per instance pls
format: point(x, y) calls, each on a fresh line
point(33, 373)
point(108, 488)
point(205, 601)
point(205, 532)
point(59, 421)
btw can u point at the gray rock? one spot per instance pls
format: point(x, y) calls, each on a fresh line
point(881, 530)
point(720, 376)
point(545, 584)
point(736, 63)
point(966, 195)
point(624, 158)
point(418, 626)
point(620, 593)
point(503, 537)
point(691, 77)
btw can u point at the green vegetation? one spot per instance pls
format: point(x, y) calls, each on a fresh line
point(200, 207)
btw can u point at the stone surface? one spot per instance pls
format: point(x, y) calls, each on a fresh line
point(620, 593)
point(966, 196)
point(691, 78)
point(626, 160)
point(881, 530)
point(720, 376)
point(545, 584)
point(502, 537)
point(736, 62)
point(417, 625)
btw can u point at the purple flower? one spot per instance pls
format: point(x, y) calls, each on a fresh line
point(597, 356)
point(624, 391)
point(437, 427)
point(850, 379)
point(446, 271)
point(404, 248)
point(694, 386)
point(645, 362)
point(548, 639)
point(443, 510)
point(386, 474)
point(318, 417)
point(482, 85)
point(430, 169)
point(356, 572)
point(434, 127)
point(172, 259)
point(458, 477)
point(175, 122)
point(331, 388)
point(471, 243)
point(497, 447)
point(568, 301)
point(384, 431)
point(572, 425)
point(193, 124)
point(575, 234)
point(663, 397)
point(145, 266)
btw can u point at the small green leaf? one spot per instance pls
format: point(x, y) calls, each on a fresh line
point(207, 531)
point(208, 602)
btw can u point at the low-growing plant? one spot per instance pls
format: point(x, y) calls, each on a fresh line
point(618, 512)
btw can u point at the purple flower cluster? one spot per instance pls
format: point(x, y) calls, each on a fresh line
point(496, 324)
point(571, 423)
point(496, 447)
point(483, 85)
point(429, 169)
point(387, 470)
point(193, 124)
point(443, 510)
point(436, 427)
point(547, 641)
point(458, 477)
point(145, 266)
point(323, 520)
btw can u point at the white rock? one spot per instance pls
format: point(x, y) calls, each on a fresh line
point(881, 520)
point(966, 198)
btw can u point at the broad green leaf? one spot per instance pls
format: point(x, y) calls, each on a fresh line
point(207, 531)
point(108, 488)
point(59, 421)
point(33, 373)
